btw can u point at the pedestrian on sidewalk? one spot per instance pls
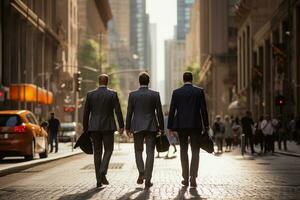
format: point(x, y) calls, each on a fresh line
point(53, 127)
point(228, 133)
point(268, 129)
point(188, 116)
point(292, 128)
point(144, 120)
point(219, 129)
point(281, 133)
point(237, 131)
point(248, 129)
point(259, 135)
point(98, 120)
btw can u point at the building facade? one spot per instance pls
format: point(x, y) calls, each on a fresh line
point(153, 71)
point(29, 56)
point(139, 34)
point(174, 66)
point(268, 52)
point(218, 54)
point(183, 18)
point(192, 39)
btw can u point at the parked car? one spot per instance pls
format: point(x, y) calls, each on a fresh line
point(67, 132)
point(21, 135)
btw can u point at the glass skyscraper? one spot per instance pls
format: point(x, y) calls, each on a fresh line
point(183, 17)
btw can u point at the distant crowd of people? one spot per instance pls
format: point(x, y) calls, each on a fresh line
point(264, 132)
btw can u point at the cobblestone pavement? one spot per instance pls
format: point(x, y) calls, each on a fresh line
point(227, 176)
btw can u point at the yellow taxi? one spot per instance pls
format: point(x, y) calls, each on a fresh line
point(21, 135)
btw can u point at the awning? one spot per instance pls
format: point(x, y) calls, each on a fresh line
point(30, 93)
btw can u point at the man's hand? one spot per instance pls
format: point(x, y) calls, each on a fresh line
point(129, 133)
point(206, 130)
point(171, 133)
point(121, 131)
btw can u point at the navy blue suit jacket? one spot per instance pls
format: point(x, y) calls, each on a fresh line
point(188, 109)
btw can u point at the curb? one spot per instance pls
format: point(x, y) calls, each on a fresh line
point(288, 153)
point(26, 165)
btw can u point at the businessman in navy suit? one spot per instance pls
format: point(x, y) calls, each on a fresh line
point(188, 116)
point(98, 119)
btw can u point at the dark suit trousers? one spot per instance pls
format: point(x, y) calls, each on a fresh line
point(53, 139)
point(194, 136)
point(100, 139)
point(139, 139)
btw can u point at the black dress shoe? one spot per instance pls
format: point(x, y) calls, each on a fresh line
point(148, 184)
point(185, 183)
point(193, 182)
point(99, 185)
point(104, 180)
point(140, 179)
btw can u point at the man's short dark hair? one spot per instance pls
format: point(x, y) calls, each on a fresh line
point(103, 79)
point(144, 78)
point(187, 76)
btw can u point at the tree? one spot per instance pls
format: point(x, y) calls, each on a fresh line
point(195, 69)
point(89, 55)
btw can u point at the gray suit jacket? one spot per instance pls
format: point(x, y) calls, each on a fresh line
point(99, 109)
point(144, 112)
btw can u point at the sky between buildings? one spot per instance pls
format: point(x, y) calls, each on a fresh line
point(164, 14)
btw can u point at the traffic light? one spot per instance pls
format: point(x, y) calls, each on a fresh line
point(2, 95)
point(69, 108)
point(280, 100)
point(77, 80)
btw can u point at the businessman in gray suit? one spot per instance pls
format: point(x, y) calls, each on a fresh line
point(144, 120)
point(99, 121)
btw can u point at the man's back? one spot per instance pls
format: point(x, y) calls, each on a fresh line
point(53, 125)
point(143, 105)
point(99, 110)
point(247, 123)
point(188, 108)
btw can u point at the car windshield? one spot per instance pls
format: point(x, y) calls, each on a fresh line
point(67, 127)
point(10, 120)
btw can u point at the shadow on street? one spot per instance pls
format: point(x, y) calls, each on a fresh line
point(82, 196)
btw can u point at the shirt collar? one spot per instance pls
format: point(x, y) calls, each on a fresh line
point(188, 83)
point(143, 86)
point(102, 86)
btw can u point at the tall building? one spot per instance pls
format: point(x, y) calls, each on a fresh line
point(120, 23)
point(29, 55)
point(268, 57)
point(67, 19)
point(183, 17)
point(192, 40)
point(218, 54)
point(153, 71)
point(174, 66)
point(121, 55)
point(139, 33)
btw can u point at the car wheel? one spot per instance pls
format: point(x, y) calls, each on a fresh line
point(31, 156)
point(45, 153)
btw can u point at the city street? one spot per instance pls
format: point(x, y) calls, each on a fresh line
point(228, 176)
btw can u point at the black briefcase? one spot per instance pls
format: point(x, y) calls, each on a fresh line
point(85, 143)
point(206, 143)
point(162, 143)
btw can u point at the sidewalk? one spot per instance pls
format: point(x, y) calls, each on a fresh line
point(14, 164)
point(292, 149)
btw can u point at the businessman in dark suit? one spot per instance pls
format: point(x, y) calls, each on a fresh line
point(144, 120)
point(99, 121)
point(188, 116)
